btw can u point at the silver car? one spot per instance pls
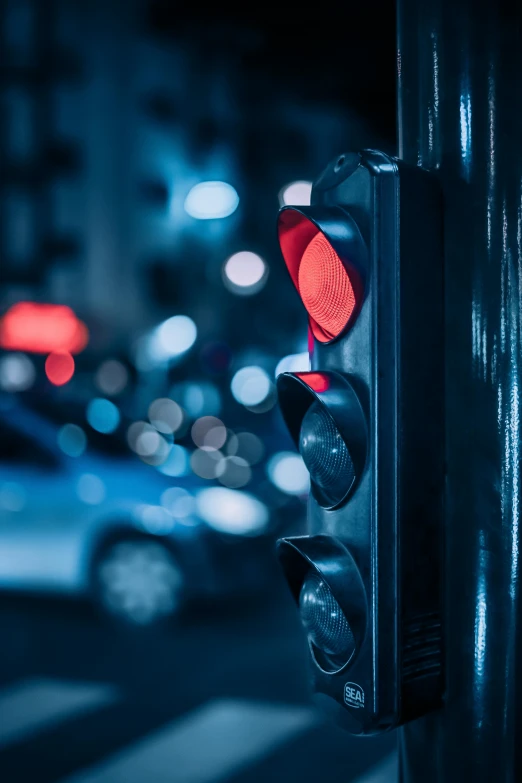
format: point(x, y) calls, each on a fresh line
point(97, 524)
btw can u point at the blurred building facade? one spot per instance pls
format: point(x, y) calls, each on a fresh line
point(110, 117)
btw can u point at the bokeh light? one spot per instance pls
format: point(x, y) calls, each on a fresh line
point(103, 415)
point(147, 443)
point(297, 194)
point(59, 368)
point(250, 386)
point(90, 489)
point(17, 372)
point(72, 440)
point(165, 415)
point(111, 377)
point(247, 446)
point(211, 200)
point(245, 273)
point(178, 502)
point(198, 398)
point(173, 337)
point(155, 519)
point(294, 362)
point(233, 472)
point(209, 433)
point(137, 429)
point(205, 463)
point(232, 511)
point(288, 472)
point(177, 462)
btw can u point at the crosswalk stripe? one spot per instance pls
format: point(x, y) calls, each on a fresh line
point(29, 705)
point(208, 744)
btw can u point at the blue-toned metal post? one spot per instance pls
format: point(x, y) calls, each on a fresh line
point(460, 115)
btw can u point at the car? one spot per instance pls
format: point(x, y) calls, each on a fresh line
point(101, 524)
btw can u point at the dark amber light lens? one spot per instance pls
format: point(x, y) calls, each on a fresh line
point(325, 287)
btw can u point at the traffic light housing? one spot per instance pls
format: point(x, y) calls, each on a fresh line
point(366, 260)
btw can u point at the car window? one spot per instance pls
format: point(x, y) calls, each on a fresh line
point(17, 448)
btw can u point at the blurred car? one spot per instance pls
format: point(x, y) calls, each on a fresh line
point(98, 524)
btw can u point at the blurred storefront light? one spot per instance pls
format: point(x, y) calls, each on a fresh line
point(294, 362)
point(103, 415)
point(232, 511)
point(72, 440)
point(90, 489)
point(296, 193)
point(111, 377)
point(211, 200)
point(177, 462)
point(251, 386)
point(288, 472)
point(42, 328)
point(17, 372)
point(245, 273)
point(59, 368)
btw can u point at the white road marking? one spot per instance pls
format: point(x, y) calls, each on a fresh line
point(209, 744)
point(31, 705)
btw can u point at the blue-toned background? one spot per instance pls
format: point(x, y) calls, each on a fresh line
point(145, 311)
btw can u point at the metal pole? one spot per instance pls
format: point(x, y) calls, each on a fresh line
point(460, 114)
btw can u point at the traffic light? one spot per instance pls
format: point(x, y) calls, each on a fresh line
point(366, 260)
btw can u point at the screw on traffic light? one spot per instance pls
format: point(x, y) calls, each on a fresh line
point(366, 260)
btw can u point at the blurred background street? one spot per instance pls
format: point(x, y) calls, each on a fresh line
point(222, 696)
point(145, 312)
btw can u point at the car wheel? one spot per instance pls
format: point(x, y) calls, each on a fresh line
point(138, 581)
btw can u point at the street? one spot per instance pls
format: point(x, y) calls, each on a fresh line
point(222, 695)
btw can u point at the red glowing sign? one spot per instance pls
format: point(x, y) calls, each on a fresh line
point(42, 328)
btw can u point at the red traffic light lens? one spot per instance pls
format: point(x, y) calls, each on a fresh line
point(318, 256)
point(325, 287)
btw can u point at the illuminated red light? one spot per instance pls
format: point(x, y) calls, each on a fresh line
point(59, 368)
point(317, 381)
point(42, 328)
point(325, 287)
point(329, 285)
